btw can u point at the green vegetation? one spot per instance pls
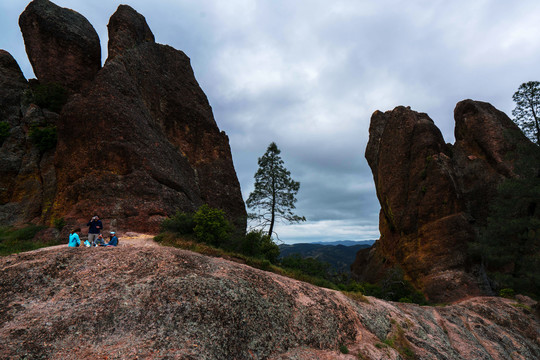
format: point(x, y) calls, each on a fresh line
point(44, 136)
point(275, 192)
point(59, 223)
point(509, 245)
point(50, 96)
point(527, 110)
point(507, 293)
point(14, 240)
point(343, 349)
point(4, 131)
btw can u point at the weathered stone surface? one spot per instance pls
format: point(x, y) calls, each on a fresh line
point(434, 196)
point(62, 45)
point(127, 28)
point(135, 144)
point(156, 302)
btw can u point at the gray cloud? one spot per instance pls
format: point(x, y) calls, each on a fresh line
point(309, 74)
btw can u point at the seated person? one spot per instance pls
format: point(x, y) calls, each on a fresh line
point(74, 240)
point(114, 240)
point(100, 241)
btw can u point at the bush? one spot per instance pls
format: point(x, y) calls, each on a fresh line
point(507, 293)
point(257, 244)
point(308, 266)
point(211, 226)
point(343, 349)
point(181, 223)
point(51, 96)
point(4, 131)
point(59, 223)
point(18, 240)
point(43, 136)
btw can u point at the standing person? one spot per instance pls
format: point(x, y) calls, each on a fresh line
point(113, 241)
point(74, 240)
point(95, 227)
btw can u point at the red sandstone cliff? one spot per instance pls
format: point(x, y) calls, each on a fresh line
point(137, 139)
point(434, 196)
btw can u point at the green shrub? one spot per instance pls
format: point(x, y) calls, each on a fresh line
point(507, 293)
point(4, 131)
point(59, 223)
point(211, 226)
point(258, 244)
point(43, 136)
point(343, 349)
point(18, 240)
point(51, 96)
point(181, 223)
point(309, 266)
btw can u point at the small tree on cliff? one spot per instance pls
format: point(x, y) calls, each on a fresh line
point(275, 192)
point(527, 111)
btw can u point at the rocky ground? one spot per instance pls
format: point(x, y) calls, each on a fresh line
point(145, 301)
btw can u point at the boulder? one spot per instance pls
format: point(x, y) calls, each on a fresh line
point(63, 47)
point(435, 196)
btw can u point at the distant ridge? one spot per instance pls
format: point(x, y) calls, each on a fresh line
point(345, 242)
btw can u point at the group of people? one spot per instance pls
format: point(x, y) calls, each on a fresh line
point(95, 238)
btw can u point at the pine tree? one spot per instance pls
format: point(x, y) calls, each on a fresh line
point(527, 110)
point(275, 192)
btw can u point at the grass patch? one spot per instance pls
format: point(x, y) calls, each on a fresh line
point(13, 241)
point(356, 296)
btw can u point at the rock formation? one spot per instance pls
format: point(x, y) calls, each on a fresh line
point(62, 45)
point(434, 196)
point(136, 139)
point(157, 302)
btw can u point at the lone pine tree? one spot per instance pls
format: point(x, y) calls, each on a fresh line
point(275, 191)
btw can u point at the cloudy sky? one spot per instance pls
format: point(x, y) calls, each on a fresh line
point(309, 74)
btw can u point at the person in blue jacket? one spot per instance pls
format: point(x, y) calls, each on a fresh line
point(113, 240)
point(94, 229)
point(74, 240)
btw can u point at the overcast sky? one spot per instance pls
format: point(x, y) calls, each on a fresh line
point(309, 74)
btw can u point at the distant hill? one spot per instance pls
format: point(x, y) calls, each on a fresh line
point(339, 256)
point(345, 242)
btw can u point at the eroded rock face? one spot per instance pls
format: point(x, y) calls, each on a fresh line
point(435, 196)
point(127, 29)
point(135, 144)
point(63, 47)
point(159, 302)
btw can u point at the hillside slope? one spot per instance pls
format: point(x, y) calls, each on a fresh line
point(146, 301)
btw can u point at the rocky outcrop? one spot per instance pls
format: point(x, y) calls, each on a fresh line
point(62, 45)
point(135, 144)
point(159, 302)
point(127, 29)
point(435, 196)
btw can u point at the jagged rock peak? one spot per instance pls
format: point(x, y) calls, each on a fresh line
point(62, 45)
point(127, 28)
point(434, 196)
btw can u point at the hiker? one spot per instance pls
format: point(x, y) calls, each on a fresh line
point(74, 240)
point(94, 230)
point(99, 241)
point(113, 240)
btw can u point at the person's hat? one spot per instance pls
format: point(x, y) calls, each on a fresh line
point(112, 232)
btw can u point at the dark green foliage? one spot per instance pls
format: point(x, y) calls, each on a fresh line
point(257, 244)
point(59, 223)
point(507, 293)
point(181, 223)
point(509, 246)
point(50, 96)
point(343, 349)
point(44, 136)
point(308, 266)
point(275, 192)
point(4, 131)
point(19, 240)
point(527, 110)
point(211, 227)
point(339, 257)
